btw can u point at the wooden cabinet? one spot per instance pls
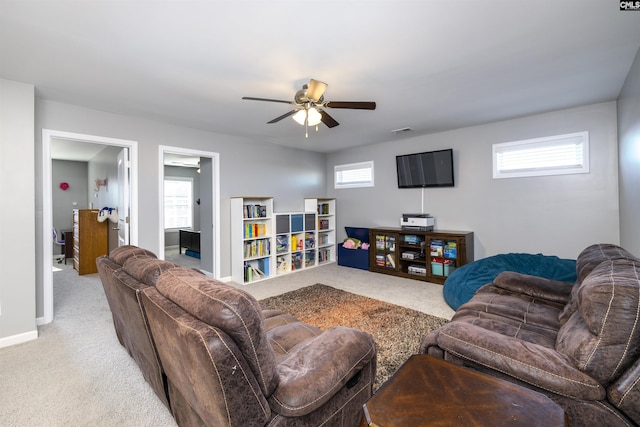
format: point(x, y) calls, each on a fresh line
point(90, 240)
point(423, 255)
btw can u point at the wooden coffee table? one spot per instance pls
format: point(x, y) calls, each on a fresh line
point(427, 391)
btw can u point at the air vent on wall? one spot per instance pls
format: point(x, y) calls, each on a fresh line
point(401, 130)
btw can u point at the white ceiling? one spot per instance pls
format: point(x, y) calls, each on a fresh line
point(430, 65)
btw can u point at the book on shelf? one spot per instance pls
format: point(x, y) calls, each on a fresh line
point(390, 261)
point(323, 209)
point(380, 260)
point(436, 247)
point(252, 230)
point(450, 249)
point(256, 270)
point(255, 248)
point(323, 224)
point(254, 211)
point(324, 255)
point(391, 243)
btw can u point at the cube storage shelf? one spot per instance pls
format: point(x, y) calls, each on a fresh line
point(423, 255)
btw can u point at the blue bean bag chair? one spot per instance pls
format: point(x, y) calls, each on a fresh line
point(464, 281)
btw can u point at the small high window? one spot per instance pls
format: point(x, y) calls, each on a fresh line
point(354, 175)
point(554, 155)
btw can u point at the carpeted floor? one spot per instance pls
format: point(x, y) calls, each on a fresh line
point(396, 330)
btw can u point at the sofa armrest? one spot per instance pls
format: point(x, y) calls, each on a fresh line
point(534, 364)
point(316, 370)
point(534, 286)
point(624, 393)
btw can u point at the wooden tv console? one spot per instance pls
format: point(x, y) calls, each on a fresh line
point(422, 255)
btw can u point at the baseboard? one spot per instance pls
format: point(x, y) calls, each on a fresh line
point(18, 339)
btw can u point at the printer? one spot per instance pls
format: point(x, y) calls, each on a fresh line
point(417, 222)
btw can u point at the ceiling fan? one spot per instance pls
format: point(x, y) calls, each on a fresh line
point(309, 106)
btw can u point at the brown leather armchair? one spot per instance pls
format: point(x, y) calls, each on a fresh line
point(577, 343)
point(228, 363)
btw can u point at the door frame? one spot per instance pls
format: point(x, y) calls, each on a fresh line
point(215, 197)
point(48, 135)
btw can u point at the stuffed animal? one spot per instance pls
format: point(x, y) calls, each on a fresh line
point(351, 243)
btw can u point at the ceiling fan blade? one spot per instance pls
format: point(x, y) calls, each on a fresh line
point(328, 120)
point(284, 116)
point(351, 105)
point(316, 90)
point(250, 98)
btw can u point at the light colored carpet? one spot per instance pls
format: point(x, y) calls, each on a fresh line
point(77, 374)
point(171, 254)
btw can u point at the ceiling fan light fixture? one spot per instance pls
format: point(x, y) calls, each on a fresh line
point(313, 117)
point(300, 117)
point(309, 117)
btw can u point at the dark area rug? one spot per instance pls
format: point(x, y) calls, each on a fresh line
point(396, 330)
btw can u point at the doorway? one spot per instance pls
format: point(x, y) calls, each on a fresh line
point(205, 206)
point(49, 137)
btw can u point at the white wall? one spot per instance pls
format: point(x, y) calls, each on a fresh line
point(254, 168)
point(75, 197)
point(554, 215)
point(629, 136)
point(17, 214)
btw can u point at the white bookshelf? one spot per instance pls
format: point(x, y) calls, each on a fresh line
point(325, 209)
point(252, 245)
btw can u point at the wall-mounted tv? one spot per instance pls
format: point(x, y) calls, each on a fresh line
point(428, 169)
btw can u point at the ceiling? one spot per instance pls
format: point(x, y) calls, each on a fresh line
point(430, 65)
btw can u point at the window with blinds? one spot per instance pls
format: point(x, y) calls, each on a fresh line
point(554, 155)
point(354, 175)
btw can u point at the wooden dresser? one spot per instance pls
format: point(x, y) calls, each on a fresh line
point(90, 240)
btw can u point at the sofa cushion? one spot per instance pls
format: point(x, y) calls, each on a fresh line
point(123, 253)
point(602, 337)
point(512, 353)
point(146, 269)
point(232, 310)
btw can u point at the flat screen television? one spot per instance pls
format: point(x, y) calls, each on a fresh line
point(428, 169)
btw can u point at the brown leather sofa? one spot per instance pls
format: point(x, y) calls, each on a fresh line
point(124, 273)
point(577, 343)
point(224, 361)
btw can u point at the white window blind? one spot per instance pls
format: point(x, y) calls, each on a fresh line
point(178, 202)
point(354, 175)
point(555, 155)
